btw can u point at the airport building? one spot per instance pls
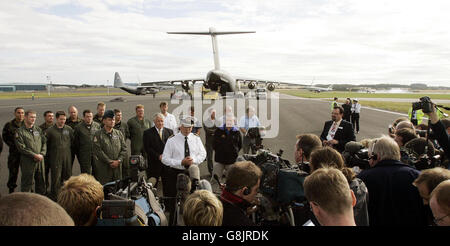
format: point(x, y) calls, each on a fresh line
point(22, 87)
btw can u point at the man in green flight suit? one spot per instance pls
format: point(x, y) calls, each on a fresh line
point(59, 144)
point(82, 141)
point(31, 143)
point(101, 107)
point(109, 151)
point(48, 122)
point(137, 125)
point(122, 127)
point(9, 132)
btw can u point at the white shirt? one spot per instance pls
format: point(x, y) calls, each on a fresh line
point(174, 151)
point(252, 122)
point(356, 108)
point(333, 130)
point(171, 122)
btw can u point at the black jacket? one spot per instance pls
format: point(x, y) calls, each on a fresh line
point(154, 147)
point(442, 137)
point(393, 200)
point(347, 110)
point(234, 210)
point(227, 145)
point(344, 134)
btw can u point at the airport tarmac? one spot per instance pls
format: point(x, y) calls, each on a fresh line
point(296, 116)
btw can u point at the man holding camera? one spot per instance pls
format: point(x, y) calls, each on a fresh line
point(239, 195)
point(109, 151)
point(438, 127)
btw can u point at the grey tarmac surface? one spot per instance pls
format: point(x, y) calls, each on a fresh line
point(296, 116)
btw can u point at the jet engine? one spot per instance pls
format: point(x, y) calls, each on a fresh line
point(270, 86)
point(251, 85)
point(185, 86)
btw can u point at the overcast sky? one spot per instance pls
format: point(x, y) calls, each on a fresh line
point(349, 41)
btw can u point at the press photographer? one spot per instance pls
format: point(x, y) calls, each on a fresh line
point(421, 155)
point(306, 144)
point(430, 109)
point(239, 196)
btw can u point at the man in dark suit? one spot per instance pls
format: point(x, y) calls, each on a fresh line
point(337, 132)
point(155, 139)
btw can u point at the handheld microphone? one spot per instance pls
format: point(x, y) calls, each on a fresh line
point(183, 183)
point(194, 174)
point(217, 178)
point(204, 185)
point(152, 181)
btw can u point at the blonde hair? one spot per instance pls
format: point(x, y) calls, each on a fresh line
point(30, 209)
point(432, 177)
point(139, 106)
point(202, 208)
point(442, 194)
point(101, 104)
point(329, 188)
point(80, 196)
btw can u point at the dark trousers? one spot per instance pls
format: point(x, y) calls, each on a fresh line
point(169, 181)
point(209, 153)
point(13, 166)
point(347, 117)
point(47, 172)
point(355, 121)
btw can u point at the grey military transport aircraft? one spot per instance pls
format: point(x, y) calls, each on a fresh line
point(215, 80)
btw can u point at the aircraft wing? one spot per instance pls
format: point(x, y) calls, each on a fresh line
point(263, 81)
point(171, 82)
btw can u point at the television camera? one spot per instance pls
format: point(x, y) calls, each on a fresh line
point(356, 155)
point(131, 201)
point(255, 135)
point(281, 189)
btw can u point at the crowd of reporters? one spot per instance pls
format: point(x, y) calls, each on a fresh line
point(397, 182)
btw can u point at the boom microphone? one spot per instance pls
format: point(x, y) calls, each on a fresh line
point(204, 185)
point(194, 172)
point(353, 147)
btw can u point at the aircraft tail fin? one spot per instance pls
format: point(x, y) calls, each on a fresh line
point(117, 81)
point(213, 33)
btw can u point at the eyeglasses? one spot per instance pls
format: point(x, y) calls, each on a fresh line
point(436, 221)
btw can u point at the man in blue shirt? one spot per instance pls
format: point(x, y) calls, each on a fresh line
point(246, 122)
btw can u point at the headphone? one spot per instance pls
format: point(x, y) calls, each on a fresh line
point(374, 156)
point(246, 191)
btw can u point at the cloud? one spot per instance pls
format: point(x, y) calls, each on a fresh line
point(357, 41)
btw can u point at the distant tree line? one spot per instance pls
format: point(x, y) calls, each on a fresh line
point(414, 86)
